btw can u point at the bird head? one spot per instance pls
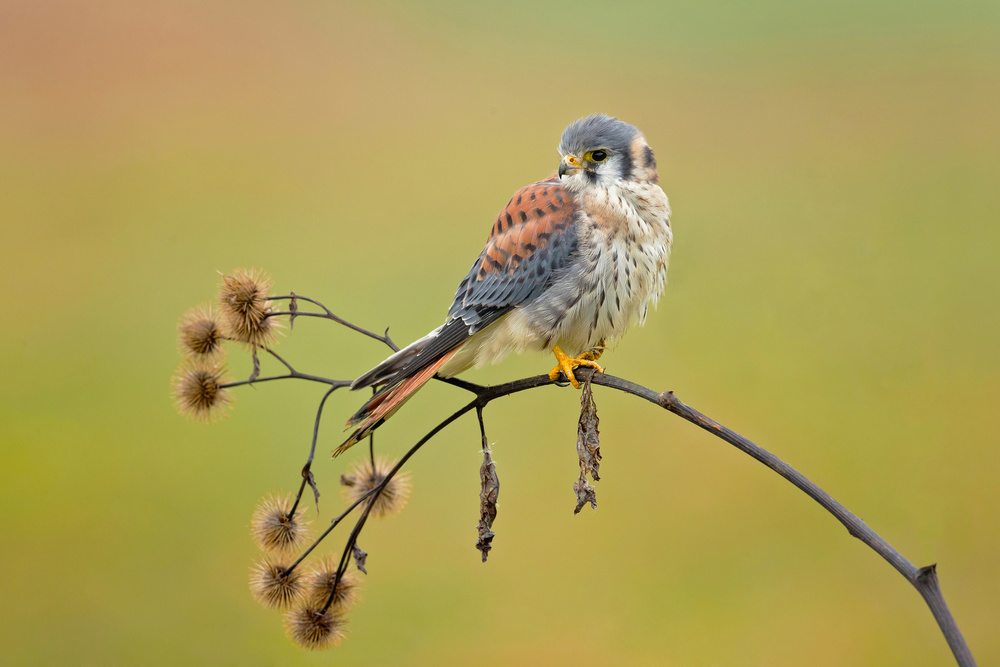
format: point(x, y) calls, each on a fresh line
point(601, 150)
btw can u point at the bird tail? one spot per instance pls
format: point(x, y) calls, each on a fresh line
point(389, 398)
point(387, 371)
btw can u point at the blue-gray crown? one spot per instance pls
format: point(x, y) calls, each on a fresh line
point(597, 131)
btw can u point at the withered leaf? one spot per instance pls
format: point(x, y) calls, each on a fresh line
point(588, 440)
point(256, 367)
point(311, 481)
point(585, 493)
point(488, 494)
point(359, 558)
point(588, 448)
point(293, 308)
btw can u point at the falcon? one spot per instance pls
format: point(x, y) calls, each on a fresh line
point(571, 263)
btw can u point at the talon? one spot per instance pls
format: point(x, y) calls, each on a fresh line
point(596, 353)
point(566, 364)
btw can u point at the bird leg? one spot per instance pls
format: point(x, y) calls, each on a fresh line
point(566, 364)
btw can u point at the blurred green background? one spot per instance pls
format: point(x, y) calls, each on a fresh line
point(834, 295)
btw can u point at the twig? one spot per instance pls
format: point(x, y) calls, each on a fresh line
point(292, 373)
point(327, 314)
point(376, 491)
point(288, 376)
point(307, 476)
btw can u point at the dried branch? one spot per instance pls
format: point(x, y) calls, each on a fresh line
point(293, 312)
point(307, 475)
point(923, 579)
point(588, 448)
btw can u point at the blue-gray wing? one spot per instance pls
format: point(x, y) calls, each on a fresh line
point(534, 241)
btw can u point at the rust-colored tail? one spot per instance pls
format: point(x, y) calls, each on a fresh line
point(387, 401)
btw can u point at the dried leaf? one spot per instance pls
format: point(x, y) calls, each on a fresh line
point(584, 494)
point(311, 481)
point(359, 558)
point(490, 491)
point(588, 449)
point(256, 367)
point(588, 437)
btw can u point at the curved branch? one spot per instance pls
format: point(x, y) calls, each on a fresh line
point(924, 579)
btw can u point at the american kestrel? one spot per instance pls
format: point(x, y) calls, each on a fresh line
point(571, 263)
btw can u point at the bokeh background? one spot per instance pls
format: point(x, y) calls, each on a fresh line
point(834, 295)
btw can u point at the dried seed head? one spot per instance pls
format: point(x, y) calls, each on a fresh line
point(319, 585)
point(244, 305)
point(363, 477)
point(198, 390)
point(314, 629)
point(271, 587)
point(275, 529)
point(201, 332)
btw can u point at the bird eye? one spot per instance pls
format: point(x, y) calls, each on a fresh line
point(598, 156)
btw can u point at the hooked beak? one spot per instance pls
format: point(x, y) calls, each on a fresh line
point(570, 165)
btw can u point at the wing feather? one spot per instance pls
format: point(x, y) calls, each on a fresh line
point(532, 243)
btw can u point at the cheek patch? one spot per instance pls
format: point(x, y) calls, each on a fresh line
point(642, 155)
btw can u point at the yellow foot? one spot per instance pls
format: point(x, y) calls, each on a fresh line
point(566, 365)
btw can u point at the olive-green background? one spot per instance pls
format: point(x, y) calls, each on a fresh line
point(834, 295)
